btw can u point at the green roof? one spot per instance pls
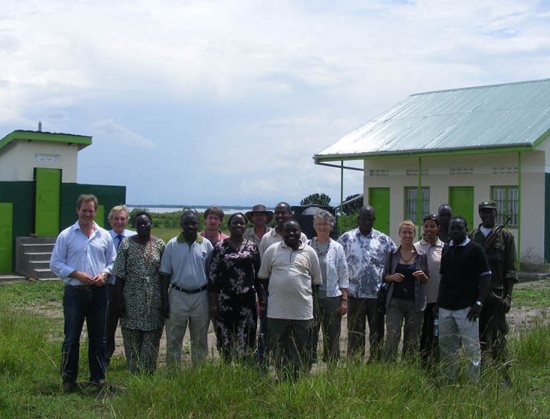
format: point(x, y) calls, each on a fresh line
point(496, 118)
point(54, 137)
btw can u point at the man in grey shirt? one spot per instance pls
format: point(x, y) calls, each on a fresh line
point(183, 270)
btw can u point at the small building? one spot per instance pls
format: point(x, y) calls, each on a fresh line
point(38, 188)
point(459, 146)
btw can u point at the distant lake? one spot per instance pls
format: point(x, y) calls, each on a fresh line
point(200, 208)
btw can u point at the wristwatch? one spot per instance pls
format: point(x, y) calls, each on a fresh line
point(478, 303)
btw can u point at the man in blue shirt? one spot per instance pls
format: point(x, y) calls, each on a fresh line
point(83, 257)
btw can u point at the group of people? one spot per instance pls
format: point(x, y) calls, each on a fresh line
point(447, 287)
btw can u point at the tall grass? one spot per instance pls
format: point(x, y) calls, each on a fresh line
point(30, 387)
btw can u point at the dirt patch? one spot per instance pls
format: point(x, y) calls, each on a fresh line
point(519, 319)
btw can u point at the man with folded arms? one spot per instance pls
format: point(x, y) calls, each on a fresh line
point(183, 269)
point(83, 257)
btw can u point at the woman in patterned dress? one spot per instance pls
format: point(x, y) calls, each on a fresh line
point(233, 288)
point(138, 281)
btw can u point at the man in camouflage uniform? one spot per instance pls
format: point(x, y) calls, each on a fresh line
point(500, 249)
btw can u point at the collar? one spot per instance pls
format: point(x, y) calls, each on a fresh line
point(283, 244)
point(359, 234)
point(438, 242)
point(464, 243)
point(76, 226)
point(181, 239)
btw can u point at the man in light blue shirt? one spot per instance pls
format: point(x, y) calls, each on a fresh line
point(183, 267)
point(118, 218)
point(83, 257)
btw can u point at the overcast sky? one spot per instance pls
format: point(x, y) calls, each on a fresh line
point(225, 102)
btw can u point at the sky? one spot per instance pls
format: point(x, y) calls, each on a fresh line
point(225, 102)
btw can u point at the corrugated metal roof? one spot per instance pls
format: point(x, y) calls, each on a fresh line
point(504, 115)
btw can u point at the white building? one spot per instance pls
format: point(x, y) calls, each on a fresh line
point(461, 147)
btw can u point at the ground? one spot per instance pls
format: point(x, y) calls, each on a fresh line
point(528, 310)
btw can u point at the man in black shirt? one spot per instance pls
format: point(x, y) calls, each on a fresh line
point(465, 279)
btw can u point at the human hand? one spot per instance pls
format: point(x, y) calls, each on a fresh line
point(397, 277)
point(343, 307)
point(99, 280)
point(83, 277)
point(420, 275)
point(474, 312)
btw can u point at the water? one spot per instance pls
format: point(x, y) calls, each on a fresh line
point(200, 208)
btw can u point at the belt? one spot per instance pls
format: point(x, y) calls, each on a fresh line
point(195, 291)
point(84, 287)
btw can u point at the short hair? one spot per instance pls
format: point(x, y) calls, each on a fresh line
point(433, 217)
point(118, 208)
point(87, 198)
point(459, 217)
point(235, 214)
point(323, 215)
point(284, 204)
point(406, 223)
point(188, 211)
point(293, 221)
point(218, 212)
point(139, 214)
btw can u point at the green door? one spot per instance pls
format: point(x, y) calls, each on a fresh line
point(6, 238)
point(100, 215)
point(379, 199)
point(47, 201)
point(461, 200)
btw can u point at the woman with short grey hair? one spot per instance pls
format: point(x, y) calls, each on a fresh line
point(331, 297)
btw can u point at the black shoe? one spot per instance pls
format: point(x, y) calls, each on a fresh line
point(70, 387)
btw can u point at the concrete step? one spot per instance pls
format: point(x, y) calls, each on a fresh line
point(38, 254)
point(42, 273)
point(34, 264)
point(10, 278)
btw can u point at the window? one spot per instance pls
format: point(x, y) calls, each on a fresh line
point(411, 199)
point(506, 198)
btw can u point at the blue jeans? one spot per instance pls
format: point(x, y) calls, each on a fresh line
point(78, 304)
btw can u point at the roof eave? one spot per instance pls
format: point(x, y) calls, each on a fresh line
point(505, 148)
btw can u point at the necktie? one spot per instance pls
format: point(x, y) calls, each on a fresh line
point(120, 237)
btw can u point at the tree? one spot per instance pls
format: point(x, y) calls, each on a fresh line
point(319, 199)
point(352, 204)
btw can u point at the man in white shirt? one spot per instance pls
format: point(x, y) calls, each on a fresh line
point(290, 269)
point(83, 257)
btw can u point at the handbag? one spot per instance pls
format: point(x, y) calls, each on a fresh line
point(382, 297)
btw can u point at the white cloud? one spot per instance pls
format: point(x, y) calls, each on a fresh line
point(118, 133)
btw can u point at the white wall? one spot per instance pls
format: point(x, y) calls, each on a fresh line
point(18, 159)
point(438, 178)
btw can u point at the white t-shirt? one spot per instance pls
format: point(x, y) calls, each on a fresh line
point(291, 274)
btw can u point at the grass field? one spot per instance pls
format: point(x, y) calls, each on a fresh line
point(30, 340)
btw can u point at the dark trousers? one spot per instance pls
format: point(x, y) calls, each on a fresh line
point(289, 343)
point(493, 329)
point(81, 304)
point(261, 351)
point(111, 322)
point(429, 344)
point(327, 316)
point(361, 311)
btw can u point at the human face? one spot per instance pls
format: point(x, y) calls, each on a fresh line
point(213, 222)
point(86, 213)
point(322, 228)
point(457, 231)
point(190, 226)
point(119, 221)
point(430, 230)
point(444, 215)
point(237, 226)
point(258, 219)
point(143, 226)
point(488, 217)
point(406, 234)
point(282, 214)
point(366, 221)
point(291, 234)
